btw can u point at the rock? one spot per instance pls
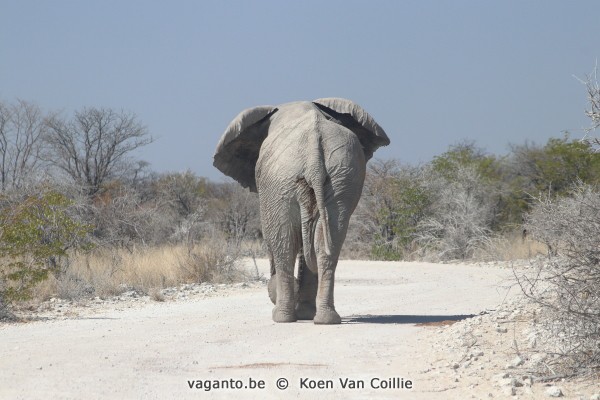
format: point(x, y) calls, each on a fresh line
point(516, 361)
point(501, 329)
point(517, 383)
point(509, 391)
point(554, 391)
point(595, 396)
point(532, 340)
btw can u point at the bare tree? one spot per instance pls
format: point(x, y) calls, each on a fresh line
point(593, 89)
point(593, 112)
point(21, 128)
point(93, 147)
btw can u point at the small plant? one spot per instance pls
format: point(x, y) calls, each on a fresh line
point(211, 260)
point(156, 295)
point(35, 236)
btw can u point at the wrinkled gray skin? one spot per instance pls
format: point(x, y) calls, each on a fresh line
point(307, 162)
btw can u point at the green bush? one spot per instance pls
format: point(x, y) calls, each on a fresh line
point(398, 214)
point(36, 231)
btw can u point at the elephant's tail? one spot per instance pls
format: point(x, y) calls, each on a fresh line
point(316, 178)
point(325, 225)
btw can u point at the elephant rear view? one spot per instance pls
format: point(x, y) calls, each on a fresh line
point(307, 161)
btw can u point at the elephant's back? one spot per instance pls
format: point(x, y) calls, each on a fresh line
point(284, 152)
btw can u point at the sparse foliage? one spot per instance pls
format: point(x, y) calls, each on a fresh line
point(566, 283)
point(394, 202)
point(236, 212)
point(22, 126)
point(460, 216)
point(593, 94)
point(121, 219)
point(93, 147)
point(213, 259)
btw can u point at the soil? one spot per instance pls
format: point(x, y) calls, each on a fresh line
point(409, 330)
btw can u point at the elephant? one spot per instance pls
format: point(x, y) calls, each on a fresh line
point(307, 162)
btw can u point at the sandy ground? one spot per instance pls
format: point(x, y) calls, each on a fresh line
point(393, 333)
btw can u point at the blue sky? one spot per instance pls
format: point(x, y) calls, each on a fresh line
point(432, 73)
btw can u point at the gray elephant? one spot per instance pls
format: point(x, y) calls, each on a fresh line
point(307, 162)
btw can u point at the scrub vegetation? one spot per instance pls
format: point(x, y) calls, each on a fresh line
point(81, 217)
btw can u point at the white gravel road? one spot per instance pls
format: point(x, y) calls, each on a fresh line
point(157, 350)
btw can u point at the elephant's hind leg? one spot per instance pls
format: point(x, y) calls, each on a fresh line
point(284, 281)
point(307, 293)
point(326, 313)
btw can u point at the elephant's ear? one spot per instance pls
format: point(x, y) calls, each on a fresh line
point(353, 117)
point(239, 146)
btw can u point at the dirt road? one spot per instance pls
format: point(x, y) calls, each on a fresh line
point(159, 350)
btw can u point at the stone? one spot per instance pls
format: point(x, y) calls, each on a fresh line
point(517, 383)
point(532, 340)
point(516, 361)
point(554, 391)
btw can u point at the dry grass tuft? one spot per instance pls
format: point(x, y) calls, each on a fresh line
point(110, 272)
point(510, 247)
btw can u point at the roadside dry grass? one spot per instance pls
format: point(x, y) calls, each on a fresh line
point(109, 272)
point(511, 247)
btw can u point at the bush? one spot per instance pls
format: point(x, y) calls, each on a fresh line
point(36, 231)
point(212, 260)
point(399, 219)
point(459, 219)
point(566, 283)
point(393, 202)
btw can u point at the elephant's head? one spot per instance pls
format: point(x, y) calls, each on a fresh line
point(239, 147)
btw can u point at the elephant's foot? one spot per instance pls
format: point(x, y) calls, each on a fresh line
point(327, 316)
point(280, 315)
point(305, 310)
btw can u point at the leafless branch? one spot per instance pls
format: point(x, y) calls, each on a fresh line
point(93, 146)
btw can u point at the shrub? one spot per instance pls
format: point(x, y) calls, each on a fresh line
point(36, 231)
point(212, 260)
point(393, 202)
point(566, 283)
point(460, 215)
